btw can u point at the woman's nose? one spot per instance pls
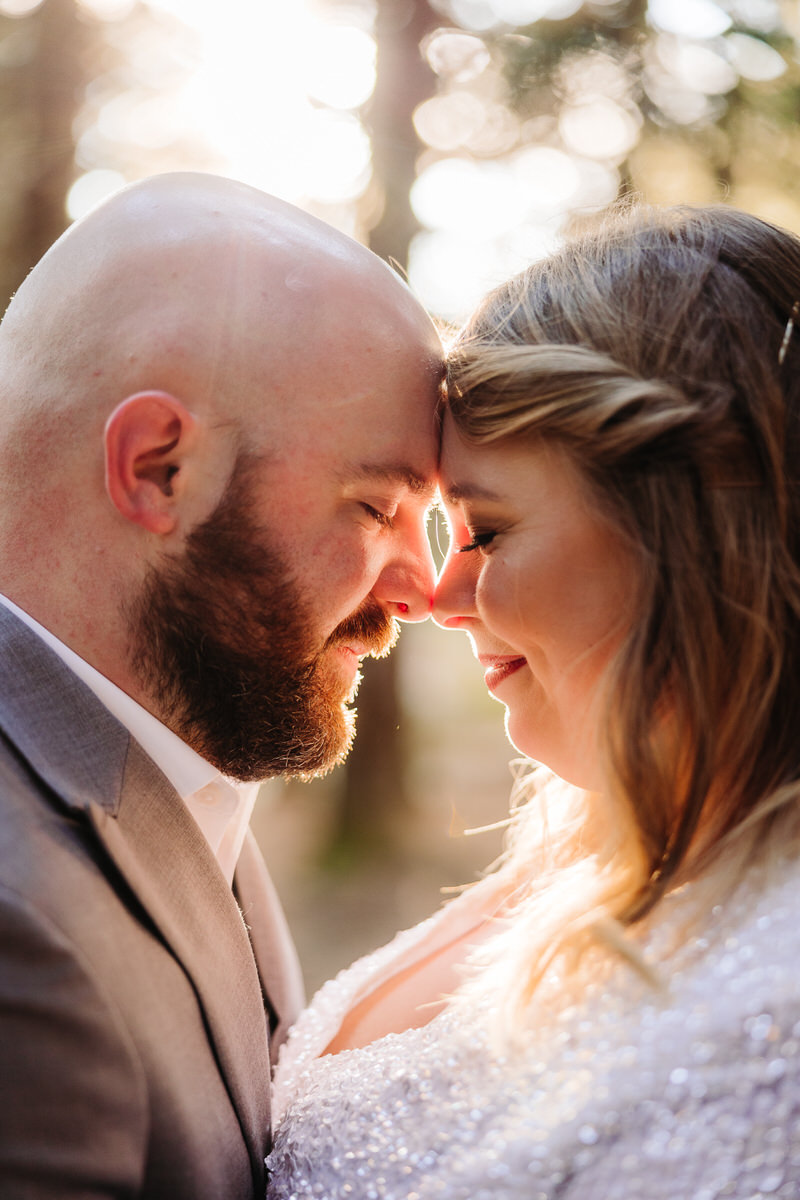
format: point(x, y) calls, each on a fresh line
point(454, 595)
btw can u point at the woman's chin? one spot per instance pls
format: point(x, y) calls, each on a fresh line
point(571, 764)
point(523, 738)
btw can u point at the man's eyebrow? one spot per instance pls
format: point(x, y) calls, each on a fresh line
point(467, 491)
point(392, 473)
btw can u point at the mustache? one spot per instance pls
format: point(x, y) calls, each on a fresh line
point(370, 626)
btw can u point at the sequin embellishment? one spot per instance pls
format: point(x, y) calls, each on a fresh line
point(693, 1094)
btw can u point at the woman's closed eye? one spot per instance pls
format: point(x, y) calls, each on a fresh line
point(480, 539)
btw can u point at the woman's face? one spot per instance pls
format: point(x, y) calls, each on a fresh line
point(544, 588)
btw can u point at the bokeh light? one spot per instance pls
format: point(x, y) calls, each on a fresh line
point(108, 10)
point(278, 95)
point(270, 92)
point(90, 189)
point(600, 128)
point(689, 18)
point(524, 12)
point(19, 8)
point(454, 55)
point(340, 65)
point(476, 199)
point(697, 67)
point(754, 59)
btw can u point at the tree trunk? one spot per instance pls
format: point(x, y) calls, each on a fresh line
point(404, 80)
point(41, 83)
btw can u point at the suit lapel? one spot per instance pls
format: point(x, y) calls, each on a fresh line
point(166, 862)
point(91, 763)
point(272, 943)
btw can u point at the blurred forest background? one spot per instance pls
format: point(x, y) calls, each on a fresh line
point(459, 139)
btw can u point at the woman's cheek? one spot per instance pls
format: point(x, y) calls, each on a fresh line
point(492, 597)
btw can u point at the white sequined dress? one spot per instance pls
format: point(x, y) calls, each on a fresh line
point(628, 1094)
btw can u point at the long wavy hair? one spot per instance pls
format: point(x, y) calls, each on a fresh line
point(660, 353)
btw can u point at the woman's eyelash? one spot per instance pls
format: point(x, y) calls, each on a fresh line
point(479, 540)
point(380, 518)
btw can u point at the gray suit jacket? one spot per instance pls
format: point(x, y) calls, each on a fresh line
point(133, 1035)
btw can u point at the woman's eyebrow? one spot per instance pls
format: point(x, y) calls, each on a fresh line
point(457, 492)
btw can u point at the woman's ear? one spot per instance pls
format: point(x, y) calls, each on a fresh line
point(147, 439)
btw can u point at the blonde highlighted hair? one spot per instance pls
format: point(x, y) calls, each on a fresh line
point(656, 352)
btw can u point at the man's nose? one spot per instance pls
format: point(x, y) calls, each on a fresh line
point(406, 583)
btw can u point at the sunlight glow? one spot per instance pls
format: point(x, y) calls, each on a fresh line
point(452, 273)
point(488, 220)
point(340, 66)
point(271, 93)
point(91, 189)
point(468, 198)
point(152, 121)
point(339, 158)
point(259, 67)
point(19, 8)
point(108, 10)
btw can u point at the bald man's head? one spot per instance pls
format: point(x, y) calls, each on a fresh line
point(189, 283)
point(190, 334)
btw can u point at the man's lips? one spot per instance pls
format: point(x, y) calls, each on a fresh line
point(369, 631)
point(351, 653)
point(357, 651)
point(498, 667)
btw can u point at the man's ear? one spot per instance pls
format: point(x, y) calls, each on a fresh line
point(147, 438)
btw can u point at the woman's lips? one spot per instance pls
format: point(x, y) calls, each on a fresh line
point(497, 669)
